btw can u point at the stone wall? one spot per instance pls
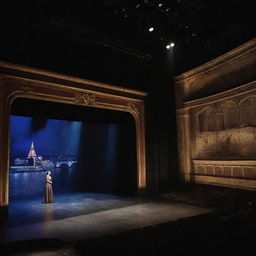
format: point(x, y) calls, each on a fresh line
point(216, 119)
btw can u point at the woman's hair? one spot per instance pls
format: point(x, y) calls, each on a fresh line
point(48, 172)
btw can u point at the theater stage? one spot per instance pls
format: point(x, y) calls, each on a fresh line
point(78, 216)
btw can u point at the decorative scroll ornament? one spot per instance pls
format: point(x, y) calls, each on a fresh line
point(133, 108)
point(85, 99)
point(27, 89)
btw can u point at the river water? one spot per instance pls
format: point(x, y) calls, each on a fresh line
point(31, 184)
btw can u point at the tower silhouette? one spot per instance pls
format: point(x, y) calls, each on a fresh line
point(32, 154)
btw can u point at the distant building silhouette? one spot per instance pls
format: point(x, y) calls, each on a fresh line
point(32, 154)
point(34, 162)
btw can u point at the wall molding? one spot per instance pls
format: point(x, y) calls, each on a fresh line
point(227, 182)
point(216, 63)
point(226, 95)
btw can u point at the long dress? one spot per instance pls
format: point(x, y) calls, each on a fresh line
point(48, 190)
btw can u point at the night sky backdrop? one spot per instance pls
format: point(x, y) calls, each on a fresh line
point(51, 138)
point(96, 146)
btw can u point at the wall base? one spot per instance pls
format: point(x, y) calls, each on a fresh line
point(227, 182)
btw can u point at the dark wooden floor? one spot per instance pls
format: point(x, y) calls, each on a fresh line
point(230, 230)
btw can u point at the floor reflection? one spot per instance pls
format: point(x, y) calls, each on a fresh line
point(29, 211)
point(48, 213)
point(79, 216)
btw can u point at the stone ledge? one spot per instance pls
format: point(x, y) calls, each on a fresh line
point(245, 169)
point(243, 163)
point(227, 182)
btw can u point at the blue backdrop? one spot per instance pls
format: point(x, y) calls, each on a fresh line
point(93, 145)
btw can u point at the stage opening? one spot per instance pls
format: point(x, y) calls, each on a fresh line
point(86, 149)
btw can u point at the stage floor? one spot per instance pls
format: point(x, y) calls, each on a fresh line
point(83, 215)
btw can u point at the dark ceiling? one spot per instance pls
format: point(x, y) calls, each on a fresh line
point(200, 29)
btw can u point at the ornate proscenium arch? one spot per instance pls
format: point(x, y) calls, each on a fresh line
point(25, 82)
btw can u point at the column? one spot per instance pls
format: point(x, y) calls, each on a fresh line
point(184, 149)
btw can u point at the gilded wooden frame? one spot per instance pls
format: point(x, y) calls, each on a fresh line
point(19, 81)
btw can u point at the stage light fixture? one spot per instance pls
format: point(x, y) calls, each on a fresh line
point(160, 5)
point(151, 29)
point(171, 45)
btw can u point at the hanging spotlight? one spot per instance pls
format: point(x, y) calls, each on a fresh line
point(160, 5)
point(151, 29)
point(171, 45)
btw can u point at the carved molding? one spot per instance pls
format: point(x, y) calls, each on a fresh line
point(243, 89)
point(133, 107)
point(226, 168)
point(85, 99)
point(183, 111)
point(230, 113)
point(226, 162)
point(27, 89)
point(10, 68)
point(246, 48)
point(224, 181)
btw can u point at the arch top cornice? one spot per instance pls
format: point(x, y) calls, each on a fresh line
point(226, 72)
point(218, 62)
point(14, 70)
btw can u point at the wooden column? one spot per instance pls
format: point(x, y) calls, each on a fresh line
point(138, 113)
point(1, 147)
point(184, 149)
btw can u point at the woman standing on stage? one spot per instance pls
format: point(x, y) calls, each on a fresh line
point(48, 189)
